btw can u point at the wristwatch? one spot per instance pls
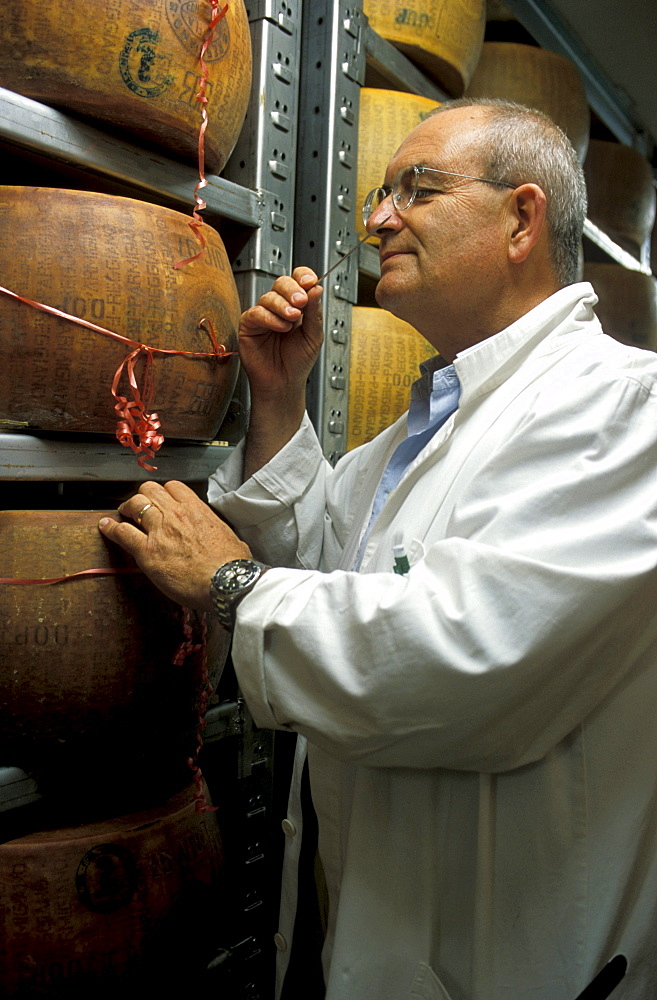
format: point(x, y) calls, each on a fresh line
point(230, 584)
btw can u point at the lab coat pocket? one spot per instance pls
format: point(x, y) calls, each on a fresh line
point(427, 986)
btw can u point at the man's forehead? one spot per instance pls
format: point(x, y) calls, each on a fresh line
point(449, 134)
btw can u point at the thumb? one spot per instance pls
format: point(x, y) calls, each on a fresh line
point(130, 538)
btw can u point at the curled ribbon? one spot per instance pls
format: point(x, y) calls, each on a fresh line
point(136, 428)
point(187, 647)
point(197, 222)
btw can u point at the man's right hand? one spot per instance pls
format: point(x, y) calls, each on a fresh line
point(279, 341)
point(280, 337)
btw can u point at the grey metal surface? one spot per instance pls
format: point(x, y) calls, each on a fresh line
point(25, 457)
point(610, 104)
point(41, 129)
point(332, 72)
point(368, 260)
point(227, 719)
point(16, 789)
point(265, 153)
point(616, 253)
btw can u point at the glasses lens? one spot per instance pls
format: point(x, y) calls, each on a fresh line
point(404, 188)
point(372, 202)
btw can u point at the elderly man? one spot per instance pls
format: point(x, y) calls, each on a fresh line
point(480, 727)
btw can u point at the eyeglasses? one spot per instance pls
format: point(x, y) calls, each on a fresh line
point(405, 189)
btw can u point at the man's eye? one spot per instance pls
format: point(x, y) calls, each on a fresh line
point(428, 192)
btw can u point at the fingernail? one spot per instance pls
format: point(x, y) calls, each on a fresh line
point(299, 298)
point(103, 521)
point(291, 311)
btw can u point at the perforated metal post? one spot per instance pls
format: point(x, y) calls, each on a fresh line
point(265, 154)
point(332, 72)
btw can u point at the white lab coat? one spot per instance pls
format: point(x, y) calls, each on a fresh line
point(483, 732)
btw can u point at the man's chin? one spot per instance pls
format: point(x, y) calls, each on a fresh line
point(390, 295)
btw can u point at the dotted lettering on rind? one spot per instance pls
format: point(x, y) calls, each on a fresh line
point(144, 70)
point(189, 22)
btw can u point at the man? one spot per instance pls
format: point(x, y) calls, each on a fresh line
point(480, 728)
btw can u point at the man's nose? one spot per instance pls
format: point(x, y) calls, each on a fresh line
point(384, 216)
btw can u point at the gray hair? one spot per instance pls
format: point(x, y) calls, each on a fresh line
point(522, 145)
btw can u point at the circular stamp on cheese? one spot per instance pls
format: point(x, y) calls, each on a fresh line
point(106, 878)
point(189, 21)
point(144, 68)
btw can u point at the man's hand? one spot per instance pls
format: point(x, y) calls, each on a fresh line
point(281, 336)
point(178, 541)
point(280, 340)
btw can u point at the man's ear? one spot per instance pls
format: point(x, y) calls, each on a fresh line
point(528, 209)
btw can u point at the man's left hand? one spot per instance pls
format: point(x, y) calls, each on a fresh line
point(177, 540)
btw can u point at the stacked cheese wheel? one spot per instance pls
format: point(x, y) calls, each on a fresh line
point(621, 194)
point(538, 79)
point(627, 306)
point(91, 701)
point(134, 64)
point(118, 907)
point(444, 37)
point(110, 261)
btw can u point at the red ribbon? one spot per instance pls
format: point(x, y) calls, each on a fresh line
point(136, 428)
point(103, 571)
point(202, 98)
point(187, 647)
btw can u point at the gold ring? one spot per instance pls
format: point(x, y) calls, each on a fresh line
point(141, 513)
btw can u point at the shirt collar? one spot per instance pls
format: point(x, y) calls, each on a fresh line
point(485, 365)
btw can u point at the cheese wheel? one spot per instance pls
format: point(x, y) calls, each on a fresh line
point(134, 64)
point(109, 261)
point(621, 194)
point(444, 37)
point(96, 909)
point(538, 79)
point(385, 118)
point(627, 306)
point(89, 693)
point(383, 364)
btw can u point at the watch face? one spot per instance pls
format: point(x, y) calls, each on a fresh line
point(237, 575)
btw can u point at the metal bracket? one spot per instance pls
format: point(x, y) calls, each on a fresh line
point(269, 248)
point(278, 12)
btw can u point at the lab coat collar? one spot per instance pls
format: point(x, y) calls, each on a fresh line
point(484, 366)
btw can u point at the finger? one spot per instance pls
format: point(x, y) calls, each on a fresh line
point(259, 319)
point(305, 276)
point(182, 493)
point(126, 535)
point(139, 507)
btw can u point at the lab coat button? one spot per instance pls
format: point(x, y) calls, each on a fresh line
point(289, 829)
point(280, 942)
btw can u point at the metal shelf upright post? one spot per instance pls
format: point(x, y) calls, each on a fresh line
point(264, 156)
point(332, 72)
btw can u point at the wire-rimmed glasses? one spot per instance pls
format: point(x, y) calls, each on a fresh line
point(406, 188)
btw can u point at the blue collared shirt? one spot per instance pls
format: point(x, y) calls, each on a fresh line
point(434, 397)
